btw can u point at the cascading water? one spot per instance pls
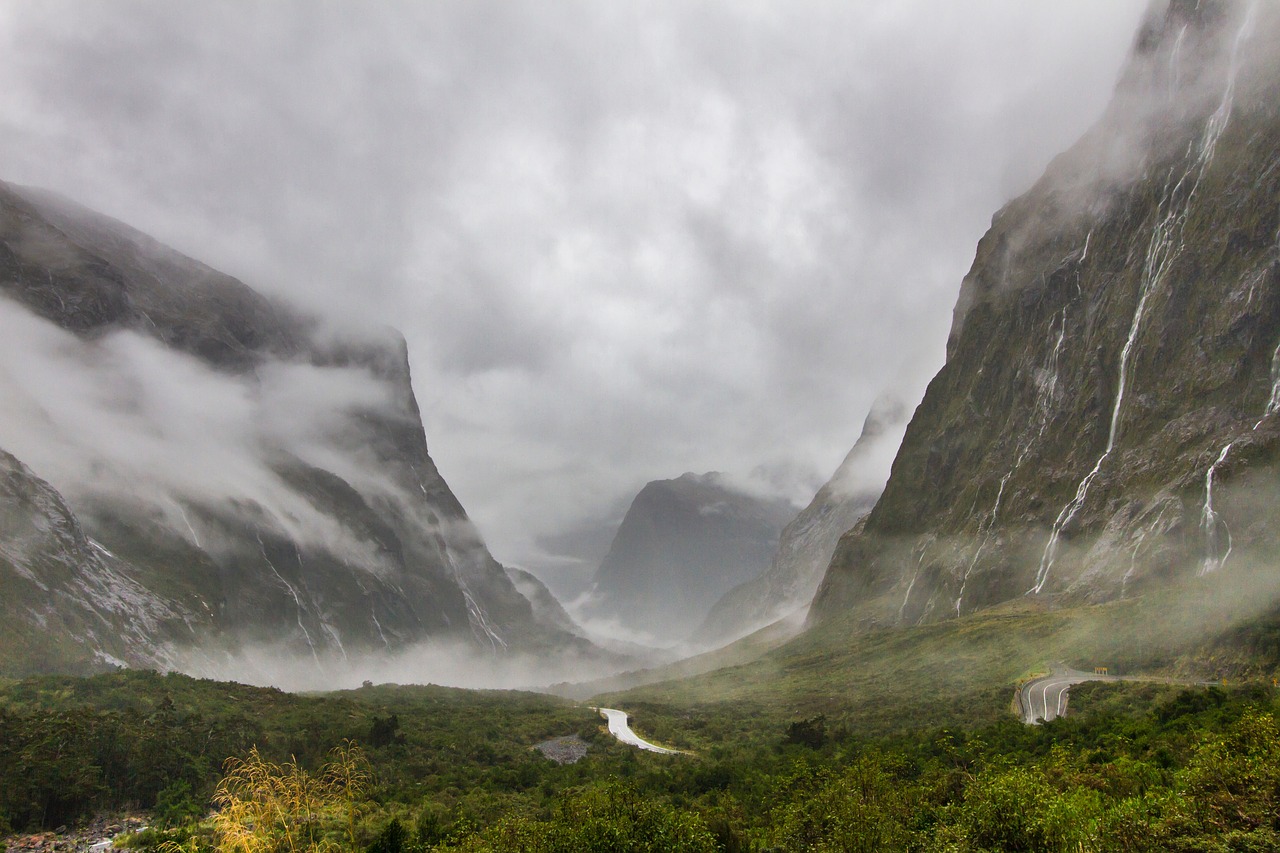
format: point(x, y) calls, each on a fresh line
point(194, 538)
point(1163, 248)
point(1047, 383)
point(316, 610)
point(1175, 63)
point(1273, 402)
point(373, 614)
point(1211, 524)
point(479, 619)
point(919, 565)
point(297, 601)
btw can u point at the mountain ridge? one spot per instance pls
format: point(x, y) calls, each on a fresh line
point(1103, 417)
point(329, 530)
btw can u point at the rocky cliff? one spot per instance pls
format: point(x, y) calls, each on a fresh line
point(682, 544)
point(1107, 413)
point(220, 472)
point(809, 540)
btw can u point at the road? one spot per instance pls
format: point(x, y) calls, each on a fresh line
point(619, 728)
point(1045, 698)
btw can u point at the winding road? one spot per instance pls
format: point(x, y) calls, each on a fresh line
point(619, 728)
point(1045, 698)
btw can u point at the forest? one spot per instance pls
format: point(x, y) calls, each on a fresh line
point(389, 769)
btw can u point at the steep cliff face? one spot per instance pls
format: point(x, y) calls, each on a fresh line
point(809, 540)
point(68, 602)
point(277, 514)
point(1107, 412)
point(682, 544)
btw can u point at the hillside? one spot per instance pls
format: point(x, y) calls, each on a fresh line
point(1105, 420)
point(199, 477)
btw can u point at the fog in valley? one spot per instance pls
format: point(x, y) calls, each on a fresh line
point(623, 241)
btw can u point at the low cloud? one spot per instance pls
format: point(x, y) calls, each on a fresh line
point(123, 419)
point(623, 240)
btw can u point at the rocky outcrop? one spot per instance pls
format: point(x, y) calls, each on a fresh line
point(682, 544)
point(809, 540)
point(348, 541)
point(1107, 413)
point(69, 602)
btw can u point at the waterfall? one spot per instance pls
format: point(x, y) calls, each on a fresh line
point(1164, 246)
point(1210, 523)
point(297, 602)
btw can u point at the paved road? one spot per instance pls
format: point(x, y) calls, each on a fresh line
point(619, 728)
point(1045, 698)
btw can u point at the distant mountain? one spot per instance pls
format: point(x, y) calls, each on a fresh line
point(1108, 417)
point(682, 544)
point(212, 471)
point(808, 542)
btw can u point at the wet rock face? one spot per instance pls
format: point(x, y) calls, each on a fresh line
point(809, 540)
point(1107, 412)
point(389, 557)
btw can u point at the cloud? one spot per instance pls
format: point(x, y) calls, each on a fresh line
point(623, 240)
point(124, 418)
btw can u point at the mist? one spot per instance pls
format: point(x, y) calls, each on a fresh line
point(443, 663)
point(623, 241)
point(124, 419)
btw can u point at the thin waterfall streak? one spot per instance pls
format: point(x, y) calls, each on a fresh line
point(1175, 65)
point(1273, 403)
point(1210, 521)
point(1064, 518)
point(1165, 245)
point(985, 537)
point(373, 614)
point(297, 602)
point(319, 614)
point(187, 521)
point(906, 598)
point(478, 618)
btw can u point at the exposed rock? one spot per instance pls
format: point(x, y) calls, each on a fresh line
point(1106, 415)
point(355, 543)
point(809, 540)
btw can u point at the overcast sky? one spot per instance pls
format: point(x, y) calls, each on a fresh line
point(624, 240)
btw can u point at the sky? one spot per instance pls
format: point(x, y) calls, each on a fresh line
point(624, 240)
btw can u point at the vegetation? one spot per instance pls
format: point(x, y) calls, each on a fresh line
point(898, 740)
point(1136, 767)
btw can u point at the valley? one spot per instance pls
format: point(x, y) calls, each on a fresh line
point(1039, 610)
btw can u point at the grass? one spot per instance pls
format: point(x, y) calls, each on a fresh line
point(963, 672)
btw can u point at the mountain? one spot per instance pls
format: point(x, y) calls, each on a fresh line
point(193, 471)
point(682, 544)
point(1106, 417)
point(809, 540)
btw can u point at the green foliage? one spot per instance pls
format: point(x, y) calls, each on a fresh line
point(610, 816)
point(861, 809)
point(175, 804)
point(811, 732)
point(1136, 767)
point(392, 839)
